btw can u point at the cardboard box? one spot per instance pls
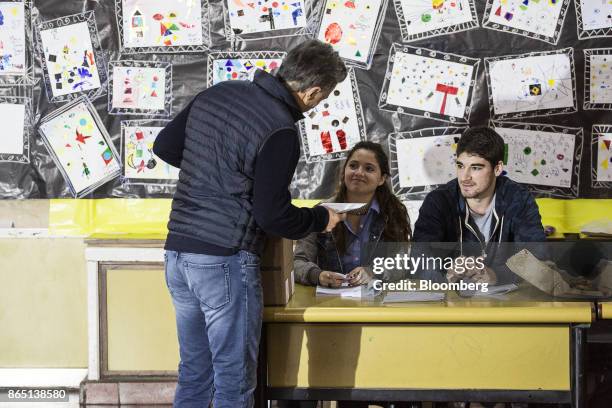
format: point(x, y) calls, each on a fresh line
point(277, 271)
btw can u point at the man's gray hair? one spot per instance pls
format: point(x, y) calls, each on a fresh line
point(312, 63)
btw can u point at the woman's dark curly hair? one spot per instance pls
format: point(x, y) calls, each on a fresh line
point(397, 223)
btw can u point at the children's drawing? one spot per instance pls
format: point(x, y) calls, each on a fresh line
point(352, 27)
point(538, 19)
point(15, 116)
point(534, 84)
point(598, 78)
point(601, 156)
point(80, 146)
point(227, 66)
point(545, 157)
point(430, 18)
point(13, 46)
point(594, 18)
point(73, 62)
point(243, 18)
point(429, 84)
point(140, 88)
point(331, 129)
point(140, 164)
point(147, 26)
point(423, 159)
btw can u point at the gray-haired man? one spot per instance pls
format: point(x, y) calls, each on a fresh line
point(237, 147)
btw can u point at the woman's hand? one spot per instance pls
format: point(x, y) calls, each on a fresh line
point(331, 279)
point(359, 276)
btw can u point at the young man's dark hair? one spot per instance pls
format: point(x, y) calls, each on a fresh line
point(237, 147)
point(312, 63)
point(483, 141)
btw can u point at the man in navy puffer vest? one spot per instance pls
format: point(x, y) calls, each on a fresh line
point(237, 147)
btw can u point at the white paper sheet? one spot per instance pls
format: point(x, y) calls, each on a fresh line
point(600, 80)
point(70, 59)
point(139, 88)
point(333, 127)
point(429, 84)
point(495, 291)
point(425, 161)
point(247, 17)
point(12, 38)
point(350, 27)
point(241, 69)
point(532, 16)
point(162, 23)
point(531, 83)
point(12, 117)
point(80, 148)
point(422, 16)
point(413, 296)
point(139, 161)
point(537, 157)
point(344, 292)
point(604, 157)
point(343, 207)
point(596, 14)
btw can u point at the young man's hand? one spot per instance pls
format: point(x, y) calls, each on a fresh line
point(331, 279)
point(475, 274)
point(359, 276)
point(334, 218)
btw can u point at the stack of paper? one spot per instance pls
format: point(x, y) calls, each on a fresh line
point(413, 296)
point(492, 291)
point(345, 292)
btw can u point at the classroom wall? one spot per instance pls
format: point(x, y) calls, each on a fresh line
point(40, 177)
point(43, 303)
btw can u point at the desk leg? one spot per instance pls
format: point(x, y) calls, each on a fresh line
point(577, 366)
point(262, 372)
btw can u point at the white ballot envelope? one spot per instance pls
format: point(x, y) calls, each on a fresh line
point(343, 207)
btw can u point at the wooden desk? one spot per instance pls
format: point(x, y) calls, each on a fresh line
point(454, 350)
point(604, 310)
point(330, 348)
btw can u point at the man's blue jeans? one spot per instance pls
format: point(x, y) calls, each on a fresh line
point(218, 304)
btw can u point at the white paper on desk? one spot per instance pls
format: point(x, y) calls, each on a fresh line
point(492, 291)
point(413, 296)
point(344, 292)
point(343, 207)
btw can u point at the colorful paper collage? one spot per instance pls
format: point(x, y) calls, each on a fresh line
point(246, 17)
point(538, 19)
point(140, 88)
point(429, 83)
point(598, 78)
point(423, 159)
point(352, 28)
point(331, 129)
point(80, 146)
point(594, 18)
point(601, 156)
point(13, 45)
point(226, 66)
point(162, 25)
point(542, 156)
point(426, 18)
point(140, 164)
point(15, 116)
point(535, 84)
point(72, 58)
